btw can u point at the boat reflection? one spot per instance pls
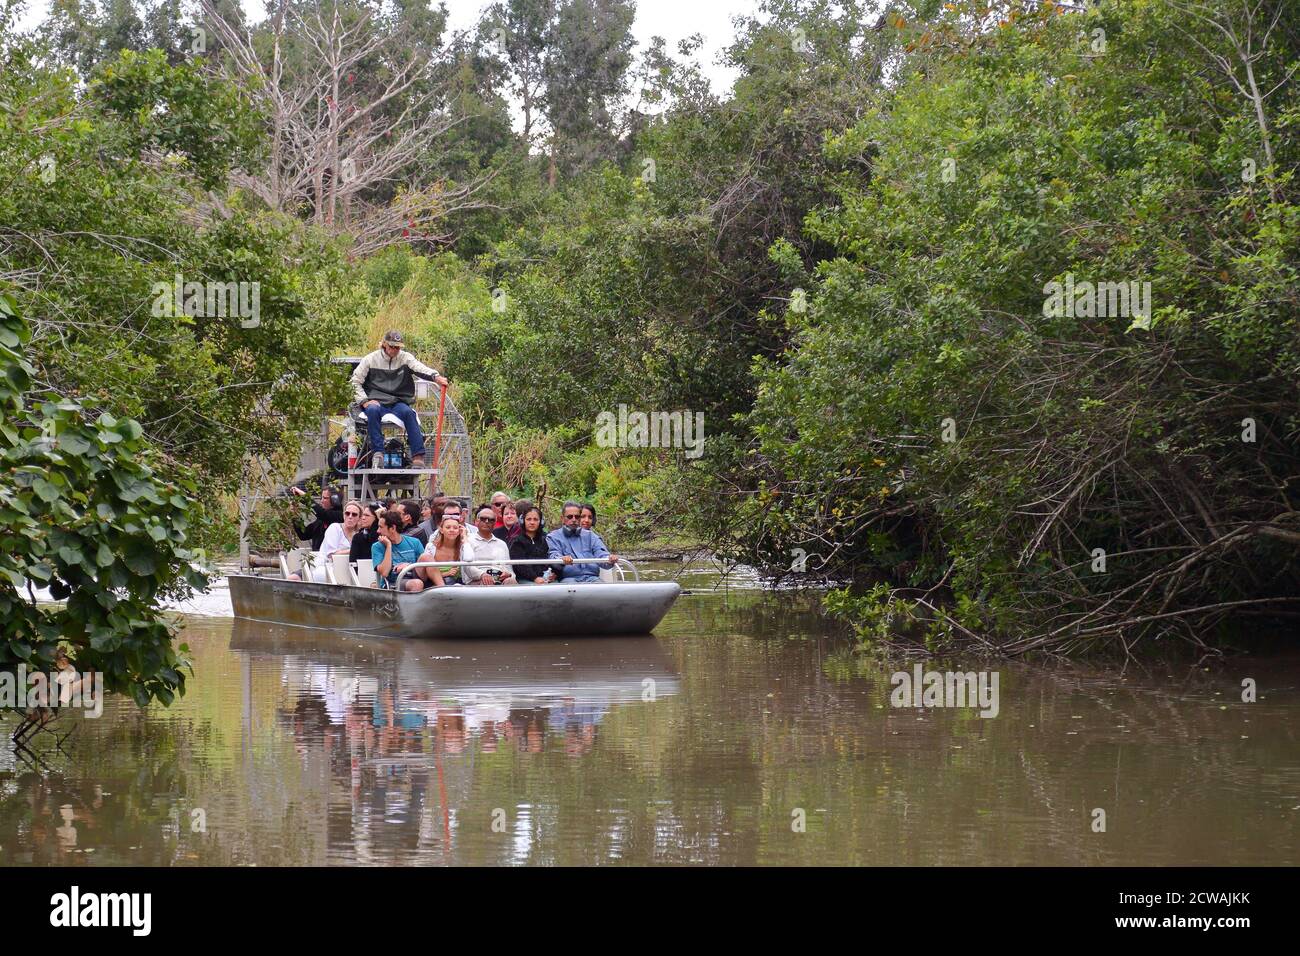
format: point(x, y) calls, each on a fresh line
point(392, 729)
point(513, 690)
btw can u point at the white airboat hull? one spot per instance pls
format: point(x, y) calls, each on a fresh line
point(523, 610)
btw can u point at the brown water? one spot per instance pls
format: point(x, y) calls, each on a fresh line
point(707, 743)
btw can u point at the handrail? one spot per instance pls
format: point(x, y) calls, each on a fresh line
point(636, 575)
point(437, 441)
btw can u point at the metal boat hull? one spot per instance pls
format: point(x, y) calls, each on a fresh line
point(525, 610)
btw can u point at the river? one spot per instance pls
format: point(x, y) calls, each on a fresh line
point(745, 731)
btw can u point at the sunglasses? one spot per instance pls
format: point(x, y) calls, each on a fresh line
point(572, 517)
point(484, 518)
point(352, 514)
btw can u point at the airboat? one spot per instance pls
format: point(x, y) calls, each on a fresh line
point(265, 588)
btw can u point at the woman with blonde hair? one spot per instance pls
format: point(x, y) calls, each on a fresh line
point(447, 544)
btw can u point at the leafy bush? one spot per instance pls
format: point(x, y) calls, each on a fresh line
point(103, 187)
point(1049, 481)
point(84, 512)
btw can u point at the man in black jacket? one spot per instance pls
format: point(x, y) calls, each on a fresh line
point(328, 510)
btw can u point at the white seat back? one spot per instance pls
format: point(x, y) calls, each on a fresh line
point(298, 561)
point(291, 561)
point(365, 575)
point(340, 570)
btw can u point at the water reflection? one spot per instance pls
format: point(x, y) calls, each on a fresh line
point(399, 724)
point(496, 693)
point(695, 746)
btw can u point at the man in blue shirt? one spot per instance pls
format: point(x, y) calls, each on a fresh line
point(570, 541)
point(394, 551)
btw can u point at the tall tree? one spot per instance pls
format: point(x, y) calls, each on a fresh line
point(518, 32)
point(355, 95)
point(84, 34)
point(565, 64)
point(586, 80)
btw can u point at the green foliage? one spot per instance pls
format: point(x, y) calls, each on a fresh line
point(180, 111)
point(1069, 434)
point(386, 272)
point(649, 284)
point(84, 512)
point(99, 188)
point(429, 299)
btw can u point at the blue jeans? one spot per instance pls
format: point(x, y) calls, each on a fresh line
point(374, 417)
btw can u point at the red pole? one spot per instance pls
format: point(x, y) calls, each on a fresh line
point(437, 440)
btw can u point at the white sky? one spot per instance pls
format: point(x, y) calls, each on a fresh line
point(671, 19)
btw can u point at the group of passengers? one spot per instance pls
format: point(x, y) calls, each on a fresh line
point(396, 534)
point(436, 533)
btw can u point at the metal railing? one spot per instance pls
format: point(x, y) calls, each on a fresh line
point(550, 562)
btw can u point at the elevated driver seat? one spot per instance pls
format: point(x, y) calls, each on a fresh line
point(389, 419)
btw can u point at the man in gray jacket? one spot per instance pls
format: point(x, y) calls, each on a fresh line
point(383, 382)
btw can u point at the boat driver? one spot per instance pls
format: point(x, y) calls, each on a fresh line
point(383, 382)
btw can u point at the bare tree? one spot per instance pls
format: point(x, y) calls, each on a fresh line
point(341, 151)
point(1246, 26)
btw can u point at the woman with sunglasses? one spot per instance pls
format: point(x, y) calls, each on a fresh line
point(337, 540)
point(338, 536)
point(367, 533)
